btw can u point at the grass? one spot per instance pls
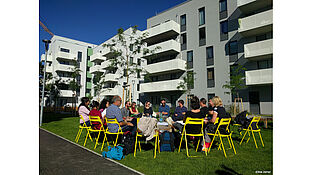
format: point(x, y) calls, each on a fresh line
point(248, 159)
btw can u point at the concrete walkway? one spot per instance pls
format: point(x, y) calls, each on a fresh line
point(58, 156)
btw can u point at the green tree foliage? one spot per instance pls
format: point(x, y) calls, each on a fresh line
point(74, 86)
point(237, 80)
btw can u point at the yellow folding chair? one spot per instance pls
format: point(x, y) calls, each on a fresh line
point(223, 122)
point(94, 119)
point(140, 135)
point(84, 126)
point(192, 121)
point(250, 129)
point(115, 122)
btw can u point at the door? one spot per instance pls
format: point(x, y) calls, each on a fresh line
point(254, 102)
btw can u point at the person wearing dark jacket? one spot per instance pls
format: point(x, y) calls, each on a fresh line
point(180, 111)
point(148, 110)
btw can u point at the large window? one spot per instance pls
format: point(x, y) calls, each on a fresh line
point(131, 60)
point(265, 64)
point(224, 27)
point(183, 23)
point(209, 56)
point(202, 36)
point(210, 96)
point(64, 50)
point(183, 41)
point(223, 5)
point(79, 56)
point(201, 16)
point(131, 47)
point(190, 59)
point(233, 49)
point(210, 78)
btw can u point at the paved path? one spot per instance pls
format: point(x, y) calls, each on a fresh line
point(58, 156)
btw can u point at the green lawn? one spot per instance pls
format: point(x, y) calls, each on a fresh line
point(248, 159)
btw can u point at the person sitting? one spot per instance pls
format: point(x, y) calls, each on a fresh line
point(113, 112)
point(206, 110)
point(84, 111)
point(95, 112)
point(125, 111)
point(103, 107)
point(148, 110)
point(164, 109)
point(134, 111)
point(193, 113)
point(180, 111)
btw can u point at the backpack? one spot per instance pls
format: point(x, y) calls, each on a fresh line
point(240, 118)
point(127, 142)
point(115, 152)
point(167, 141)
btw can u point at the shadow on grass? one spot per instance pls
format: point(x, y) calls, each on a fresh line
point(52, 116)
point(226, 171)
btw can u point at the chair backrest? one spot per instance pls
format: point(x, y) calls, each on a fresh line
point(95, 119)
point(194, 121)
point(84, 122)
point(224, 122)
point(255, 120)
point(216, 121)
point(112, 121)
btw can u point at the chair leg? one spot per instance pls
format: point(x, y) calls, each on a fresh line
point(248, 136)
point(158, 143)
point(135, 145)
point(229, 142)
point(187, 153)
point(197, 144)
point(103, 141)
point(211, 142)
point(155, 147)
point(181, 141)
point(243, 137)
point(77, 138)
point(86, 139)
point(232, 143)
point(140, 145)
point(97, 139)
point(116, 140)
point(261, 139)
point(254, 139)
point(222, 146)
point(204, 145)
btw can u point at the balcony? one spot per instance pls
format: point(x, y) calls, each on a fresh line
point(162, 31)
point(66, 93)
point(64, 68)
point(66, 79)
point(166, 66)
point(49, 69)
point(97, 57)
point(167, 48)
point(105, 64)
point(48, 59)
point(259, 50)
point(107, 53)
point(258, 77)
point(110, 91)
point(111, 78)
point(256, 24)
point(170, 85)
point(247, 6)
point(96, 68)
point(65, 56)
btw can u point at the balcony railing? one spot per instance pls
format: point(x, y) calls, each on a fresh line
point(64, 68)
point(169, 85)
point(96, 68)
point(247, 6)
point(261, 76)
point(111, 78)
point(66, 93)
point(259, 50)
point(97, 57)
point(66, 56)
point(166, 48)
point(166, 66)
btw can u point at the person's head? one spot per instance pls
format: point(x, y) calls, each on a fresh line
point(127, 104)
point(202, 102)
point(95, 105)
point(216, 100)
point(147, 104)
point(104, 104)
point(85, 102)
point(133, 104)
point(116, 100)
point(210, 103)
point(181, 103)
point(195, 103)
point(163, 102)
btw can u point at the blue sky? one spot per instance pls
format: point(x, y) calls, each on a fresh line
point(95, 21)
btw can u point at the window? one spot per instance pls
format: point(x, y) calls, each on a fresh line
point(79, 56)
point(183, 41)
point(131, 60)
point(139, 61)
point(233, 47)
point(265, 64)
point(64, 50)
point(261, 37)
point(190, 59)
point(190, 75)
point(138, 74)
point(202, 36)
point(210, 96)
point(183, 23)
point(224, 27)
point(210, 78)
point(201, 16)
point(223, 5)
point(131, 47)
point(138, 87)
point(139, 49)
point(209, 56)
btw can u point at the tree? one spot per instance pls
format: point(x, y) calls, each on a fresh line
point(54, 91)
point(237, 81)
point(98, 81)
point(74, 85)
point(125, 46)
point(188, 82)
point(47, 81)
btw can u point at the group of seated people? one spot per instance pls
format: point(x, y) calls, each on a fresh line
point(126, 116)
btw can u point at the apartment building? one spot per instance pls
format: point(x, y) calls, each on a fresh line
point(211, 37)
point(114, 78)
point(62, 55)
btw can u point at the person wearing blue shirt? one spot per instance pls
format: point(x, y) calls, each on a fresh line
point(164, 109)
point(180, 111)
